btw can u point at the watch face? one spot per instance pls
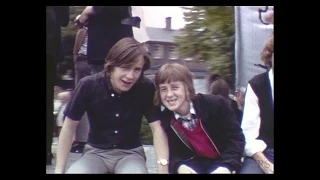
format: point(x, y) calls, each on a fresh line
point(163, 161)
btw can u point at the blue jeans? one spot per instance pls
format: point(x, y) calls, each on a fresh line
point(250, 166)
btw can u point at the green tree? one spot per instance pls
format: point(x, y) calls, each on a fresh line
point(209, 36)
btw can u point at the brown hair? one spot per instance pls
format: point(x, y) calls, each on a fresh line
point(125, 52)
point(171, 73)
point(267, 51)
point(220, 87)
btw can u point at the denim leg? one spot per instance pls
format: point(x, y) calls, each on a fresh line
point(250, 166)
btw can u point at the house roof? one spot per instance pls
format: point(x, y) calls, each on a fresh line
point(161, 34)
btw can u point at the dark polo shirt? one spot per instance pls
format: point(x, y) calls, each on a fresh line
point(115, 119)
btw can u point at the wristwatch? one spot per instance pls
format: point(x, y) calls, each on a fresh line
point(163, 162)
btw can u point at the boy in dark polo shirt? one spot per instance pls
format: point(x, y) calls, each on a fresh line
point(203, 132)
point(115, 101)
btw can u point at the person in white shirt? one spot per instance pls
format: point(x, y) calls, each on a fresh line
point(258, 118)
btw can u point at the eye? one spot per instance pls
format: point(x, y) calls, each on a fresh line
point(124, 67)
point(163, 89)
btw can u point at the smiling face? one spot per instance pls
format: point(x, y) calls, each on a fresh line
point(173, 96)
point(122, 78)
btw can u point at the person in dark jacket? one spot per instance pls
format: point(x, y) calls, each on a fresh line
point(203, 133)
point(56, 17)
point(105, 28)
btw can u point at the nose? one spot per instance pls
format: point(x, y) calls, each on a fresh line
point(130, 74)
point(169, 93)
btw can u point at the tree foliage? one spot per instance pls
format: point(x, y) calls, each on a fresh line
point(209, 36)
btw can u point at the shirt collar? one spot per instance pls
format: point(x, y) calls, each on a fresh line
point(270, 74)
point(192, 111)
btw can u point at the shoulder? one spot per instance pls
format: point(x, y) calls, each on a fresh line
point(205, 101)
point(209, 98)
point(91, 80)
point(258, 78)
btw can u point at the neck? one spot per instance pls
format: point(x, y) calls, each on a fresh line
point(185, 109)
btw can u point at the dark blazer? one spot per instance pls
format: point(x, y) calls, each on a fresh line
point(221, 125)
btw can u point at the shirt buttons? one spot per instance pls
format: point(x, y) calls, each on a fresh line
point(112, 95)
point(114, 145)
point(116, 131)
point(117, 115)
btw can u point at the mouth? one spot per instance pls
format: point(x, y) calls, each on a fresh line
point(172, 102)
point(126, 83)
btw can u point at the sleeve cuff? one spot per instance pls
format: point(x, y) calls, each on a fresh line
point(255, 146)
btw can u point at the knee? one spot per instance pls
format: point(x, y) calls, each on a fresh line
point(132, 166)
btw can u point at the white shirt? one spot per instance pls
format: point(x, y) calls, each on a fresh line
point(251, 121)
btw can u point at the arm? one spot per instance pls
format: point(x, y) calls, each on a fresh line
point(64, 144)
point(265, 165)
point(74, 111)
point(160, 142)
point(251, 124)
point(152, 114)
point(86, 13)
point(81, 34)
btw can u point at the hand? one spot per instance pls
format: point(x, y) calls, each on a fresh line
point(183, 169)
point(221, 170)
point(239, 97)
point(266, 166)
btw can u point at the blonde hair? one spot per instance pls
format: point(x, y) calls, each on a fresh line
point(171, 73)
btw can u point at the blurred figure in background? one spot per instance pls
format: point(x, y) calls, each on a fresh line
point(221, 87)
point(56, 17)
point(82, 69)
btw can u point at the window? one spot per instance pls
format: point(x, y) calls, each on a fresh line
point(173, 53)
point(157, 51)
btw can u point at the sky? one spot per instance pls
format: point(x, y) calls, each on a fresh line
point(155, 16)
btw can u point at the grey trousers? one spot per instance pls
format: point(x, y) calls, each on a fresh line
point(111, 161)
